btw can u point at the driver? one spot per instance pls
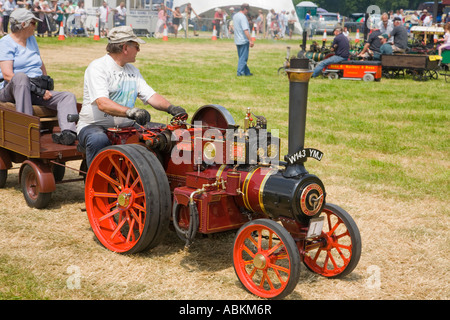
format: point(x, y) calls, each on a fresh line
point(111, 86)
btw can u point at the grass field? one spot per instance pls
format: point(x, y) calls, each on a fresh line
point(386, 161)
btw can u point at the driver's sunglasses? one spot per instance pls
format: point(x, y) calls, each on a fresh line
point(134, 44)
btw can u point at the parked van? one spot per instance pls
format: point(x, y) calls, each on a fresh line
point(326, 21)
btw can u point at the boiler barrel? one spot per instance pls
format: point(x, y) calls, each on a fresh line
point(267, 191)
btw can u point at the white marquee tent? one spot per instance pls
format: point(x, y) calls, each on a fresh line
point(201, 6)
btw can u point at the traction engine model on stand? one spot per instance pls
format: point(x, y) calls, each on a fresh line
point(210, 175)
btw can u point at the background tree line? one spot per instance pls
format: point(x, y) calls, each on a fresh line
point(346, 7)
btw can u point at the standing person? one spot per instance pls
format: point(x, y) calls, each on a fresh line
point(400, 35)
point(414, 20)
point(423, 15)
point(43, 26)
point(346, 33)
point(308, 24)
point(274, 24)
point(341, 48)
point(260, 22)
point(218, 20)
point(69, 15)
point(189, 11)
point(80, 16)
point(291, 22)
point(9, 6)
point(230, 23)
point(242, 39)
point(103, 18)
point(162, 18)
point(121, 15)
point(269, 18)
point(111, 86)
point(282, 23)
point(26, 80)
point(427, 20)
point(225, 25)
point(58, 11)
point(176, 20)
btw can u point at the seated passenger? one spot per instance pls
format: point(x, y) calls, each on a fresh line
point(400, 35)
point(25, 77)
point(446, 41)
point(386, 47)
point(372, 46)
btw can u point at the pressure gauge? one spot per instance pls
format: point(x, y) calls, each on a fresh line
point(209, 151)
point(272, 150)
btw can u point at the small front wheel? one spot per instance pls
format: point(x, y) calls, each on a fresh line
point(266, 259)
point(336, 252)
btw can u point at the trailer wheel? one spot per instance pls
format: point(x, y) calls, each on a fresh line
point(266, 259)
point(31, 189)
point(58, 172)
point(127, 199)
point(336, 252)
point(3, 177)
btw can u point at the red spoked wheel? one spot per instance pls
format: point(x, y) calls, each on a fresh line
point(127, 198)
point(336, 252)
point(266, 259)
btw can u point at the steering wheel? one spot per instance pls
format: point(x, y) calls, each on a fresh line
point(176, 119)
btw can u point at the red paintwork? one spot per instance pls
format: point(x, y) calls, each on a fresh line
point(356, 70)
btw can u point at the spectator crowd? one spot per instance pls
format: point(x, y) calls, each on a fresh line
point(273, 25)
point(56, 14)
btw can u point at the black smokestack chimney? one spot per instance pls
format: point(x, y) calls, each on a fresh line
point(299, 75)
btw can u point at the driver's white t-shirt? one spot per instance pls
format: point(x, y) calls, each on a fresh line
point(105, 78)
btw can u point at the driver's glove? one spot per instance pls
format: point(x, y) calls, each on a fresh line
point(176, 111)
point(141, 116)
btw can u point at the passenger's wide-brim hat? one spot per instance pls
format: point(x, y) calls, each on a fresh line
point(123, 34)
point(21, 15)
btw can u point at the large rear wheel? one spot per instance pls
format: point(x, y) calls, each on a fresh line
point(127, 198)
point(266, 259)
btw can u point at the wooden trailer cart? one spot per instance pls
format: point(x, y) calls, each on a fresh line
point(27, 140)
point(422, 67)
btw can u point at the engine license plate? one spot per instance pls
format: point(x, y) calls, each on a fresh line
point(315, 227)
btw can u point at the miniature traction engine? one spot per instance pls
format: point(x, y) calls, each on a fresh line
point(210, 176)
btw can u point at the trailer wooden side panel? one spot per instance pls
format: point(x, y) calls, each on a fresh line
point(410, 61)
point(20, 132)
point(30, 136)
